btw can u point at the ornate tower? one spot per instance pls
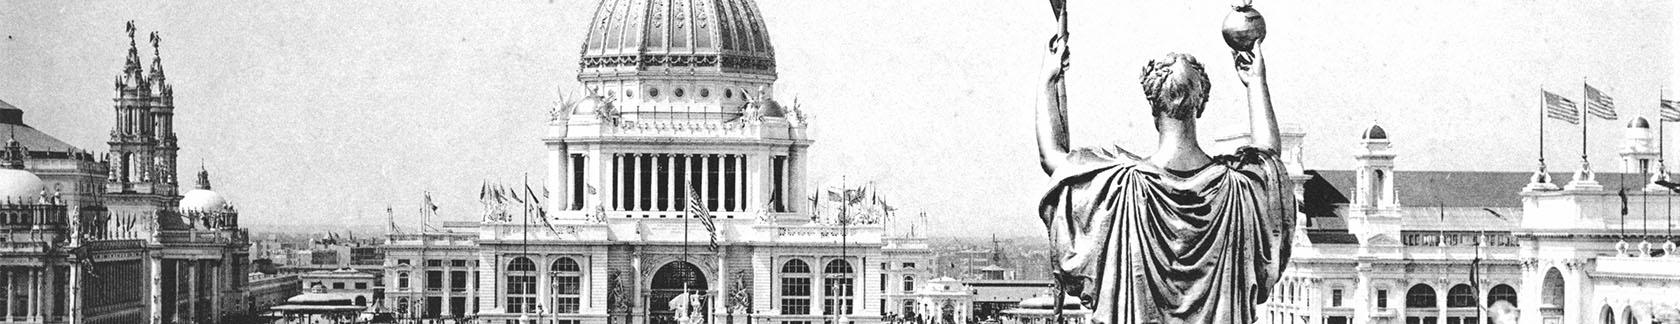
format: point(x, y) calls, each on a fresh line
point(142, 181)
point(143, 141)
point(1375, 214)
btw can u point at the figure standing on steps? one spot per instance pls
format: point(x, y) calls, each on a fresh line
point(1176, 236)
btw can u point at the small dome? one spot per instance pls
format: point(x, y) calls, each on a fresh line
point(20, 186)
point(1375, 133)
point(589, 105)
point(1639, 122)
point(203, 200)
point(769, 107)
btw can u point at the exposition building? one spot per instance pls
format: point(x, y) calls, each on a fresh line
point(112, 238)
point(1389, 247)
point(680, 98)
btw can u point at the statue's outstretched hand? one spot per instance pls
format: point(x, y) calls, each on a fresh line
point(1055, 67)
point(1251, 64)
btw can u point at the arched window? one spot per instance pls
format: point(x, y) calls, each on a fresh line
point(402, 305)
point(1551, 289)
point(521, 285)
point(909, 283)
point(1502, 292)
point(1378, 180)
point(1607, 314)
point(837, 286)
point(1420, 296)
point(566, 280)
point(796, 288)
point(402, 280)
point(1461, 296)
point(1628, 317)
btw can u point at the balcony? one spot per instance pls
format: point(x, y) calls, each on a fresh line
point(196, 236)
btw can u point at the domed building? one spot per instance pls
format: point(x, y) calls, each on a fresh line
point(679, 171)
point(107, 238)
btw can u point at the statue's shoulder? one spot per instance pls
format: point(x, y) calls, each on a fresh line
point(1106, 154)
point(1248, 155)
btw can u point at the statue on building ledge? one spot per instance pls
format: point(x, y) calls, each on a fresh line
point(1177, 236)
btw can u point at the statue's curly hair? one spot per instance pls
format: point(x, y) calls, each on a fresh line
point(1177, 95)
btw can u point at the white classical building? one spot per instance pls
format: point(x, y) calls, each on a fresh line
point(1384, 246)
point(680, 100)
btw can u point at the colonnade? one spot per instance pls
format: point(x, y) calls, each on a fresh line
point(658, 181)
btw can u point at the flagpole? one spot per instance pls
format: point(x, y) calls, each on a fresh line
point(1543, 134)
point(1586, 167)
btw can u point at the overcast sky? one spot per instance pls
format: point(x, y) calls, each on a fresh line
point(317, 112)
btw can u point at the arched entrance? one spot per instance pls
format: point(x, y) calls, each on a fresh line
point(1552, 296)
point(669, 282)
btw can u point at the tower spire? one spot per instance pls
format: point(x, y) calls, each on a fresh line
point(157, 58)
point(203, 177)
point(15, 152)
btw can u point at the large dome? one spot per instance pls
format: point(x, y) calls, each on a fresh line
point(693, 35)
point(20, 186)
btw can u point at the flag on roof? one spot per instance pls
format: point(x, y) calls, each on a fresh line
point(1599, 104)
point(1560, 108)
point(1670, 110)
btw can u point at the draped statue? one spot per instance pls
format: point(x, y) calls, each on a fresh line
point(1176, 236)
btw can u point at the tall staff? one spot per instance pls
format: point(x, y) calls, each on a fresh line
point(1058, 45)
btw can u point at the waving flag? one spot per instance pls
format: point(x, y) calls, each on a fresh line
point(1599, 104)
point(1670, 110)
point(1560, 108)
point(696, 208)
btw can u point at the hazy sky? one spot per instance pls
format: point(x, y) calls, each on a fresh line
point(317, 112)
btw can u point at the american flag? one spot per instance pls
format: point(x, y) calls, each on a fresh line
point(697, 208)
point(1560, 108)
point(1599, 104)
point(1670, 110)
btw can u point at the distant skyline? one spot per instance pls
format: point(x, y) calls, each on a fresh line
point(320, 112)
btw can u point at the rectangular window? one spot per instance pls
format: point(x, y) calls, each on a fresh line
point(566, 305)
point(458, 280)
point(883, 281)
point(434, 306)
point(796, 296)
point(338, 285)
point(522, 285)
point(712, 167)
point(795, 287)
point(577, 182)
point(1337, 320)
point(796, 306)
point(838, 293)
point(566, 285)
point(402, 261)
point(361, 285)
point(778, 183)
point(457, 306)
point(434, 280)
point(434, 263)
point(458, 263)
point(1382, 298)
point(1335, 298)
point(909, 265)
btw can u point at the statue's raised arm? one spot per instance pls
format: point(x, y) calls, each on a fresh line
point(1244, 31)
point(1052, 111)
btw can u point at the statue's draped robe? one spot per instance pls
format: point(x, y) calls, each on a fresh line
point(1142, 244)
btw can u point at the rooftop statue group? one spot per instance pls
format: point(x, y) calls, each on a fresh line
point(1176, 236)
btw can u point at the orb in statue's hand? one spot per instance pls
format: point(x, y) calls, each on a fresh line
point(1243, 26)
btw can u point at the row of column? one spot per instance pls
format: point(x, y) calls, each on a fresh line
point(627, 187)
point(31, 304)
